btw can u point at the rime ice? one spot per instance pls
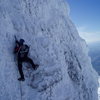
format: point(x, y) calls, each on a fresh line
point(65, 71)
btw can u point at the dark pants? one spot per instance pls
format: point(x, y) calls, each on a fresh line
point(20, 61)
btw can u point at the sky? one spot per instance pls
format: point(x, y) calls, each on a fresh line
point(86, 16)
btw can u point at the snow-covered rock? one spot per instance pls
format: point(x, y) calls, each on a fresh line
point(65, 71)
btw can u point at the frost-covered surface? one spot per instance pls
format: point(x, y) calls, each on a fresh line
point(65, 71)
point(99, 89)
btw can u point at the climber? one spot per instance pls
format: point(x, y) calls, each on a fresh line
point(21, 50)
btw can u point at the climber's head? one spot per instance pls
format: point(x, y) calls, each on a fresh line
point(21, 41)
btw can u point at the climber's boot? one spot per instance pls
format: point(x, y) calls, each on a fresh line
point(21, 79)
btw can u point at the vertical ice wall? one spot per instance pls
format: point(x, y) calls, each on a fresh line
point(65, 71)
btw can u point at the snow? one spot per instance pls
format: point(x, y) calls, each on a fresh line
point(65, 71)
point(99, 89)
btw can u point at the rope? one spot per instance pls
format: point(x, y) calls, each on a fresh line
point(20, 90)
point(20, 87)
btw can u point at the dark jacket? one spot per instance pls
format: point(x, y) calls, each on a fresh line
point(21, 50)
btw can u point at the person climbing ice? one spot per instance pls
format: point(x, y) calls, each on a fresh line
point(21, 50)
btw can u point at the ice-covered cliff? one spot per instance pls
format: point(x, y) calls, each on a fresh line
point(65, 71)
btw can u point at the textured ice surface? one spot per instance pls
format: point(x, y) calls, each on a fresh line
point(65, 71)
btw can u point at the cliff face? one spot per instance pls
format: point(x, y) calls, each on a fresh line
point(65, 71)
